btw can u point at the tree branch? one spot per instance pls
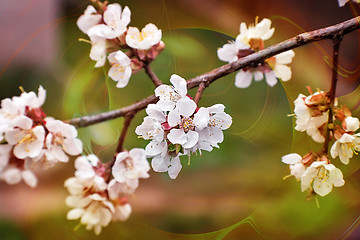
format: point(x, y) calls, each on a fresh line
point(128, 117)
point(336, 46)
point(152, 75)
point(199, 92)
point(209, 77)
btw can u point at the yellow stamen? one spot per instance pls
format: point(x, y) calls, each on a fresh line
point(84, 40)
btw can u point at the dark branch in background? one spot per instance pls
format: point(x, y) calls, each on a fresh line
point(209, 77)
point(336, 46)
point(152, 75)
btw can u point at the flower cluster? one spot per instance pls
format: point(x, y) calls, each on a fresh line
point(312, 115)
point(315, 172)
point(97, 199)
point(30, 140)
point(107, 29)
point(176, 126)
point(251, 40)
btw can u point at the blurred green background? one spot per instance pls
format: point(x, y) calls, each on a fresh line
point(235, 192)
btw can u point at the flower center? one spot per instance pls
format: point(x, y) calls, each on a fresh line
point(187, 124)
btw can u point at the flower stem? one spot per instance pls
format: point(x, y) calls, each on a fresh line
point(336, 46)
point(152, 75)
point(128, 117)
point(199, 92)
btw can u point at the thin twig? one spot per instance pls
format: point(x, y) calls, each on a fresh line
point(209, 77)
point(199, 92)
point(128, 117)
point(336, 46)
point(152, 75)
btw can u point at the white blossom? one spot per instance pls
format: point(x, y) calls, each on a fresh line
point(297, 168)
point(89, 19)
point(12, 175)
point(261, 31)
point(149, 36)
point(305, 121)
point(351, 124)
point(321, 176)
point(120, 70)
point(345, 147)
point(61, 139)
point(169, 95)
point(278, 64)
point(88, 203)
point(188, 123)
point(116, 21)
point(28, 140)
point(130, 166)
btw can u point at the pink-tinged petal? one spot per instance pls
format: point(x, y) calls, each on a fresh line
point(29, 178)
point(160, 164)
point(177, 136)
point(75, 213)
point(175, 167)
point(291, 158)
point(258, 75)
point(12, 176)
point(192, 138)
point(201, 118)
point(138, 154)
point(342, 2)
point(185, 106)
point(72, 146)
point(270, 78)
point(243, 79)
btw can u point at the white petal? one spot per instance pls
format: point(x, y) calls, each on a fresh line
point(192, 138)
point(285, 57)
point(75, 213)
point(283, 72)
point(291, 158)
point(175, 167)
point(322, 186)
point(160, 164)
point(177, 136)
point(201, 118)
point(29, 178)
point(186, 106)
point(270, 78)
point(228, 53)
point(243, 79)
point(179, 84)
